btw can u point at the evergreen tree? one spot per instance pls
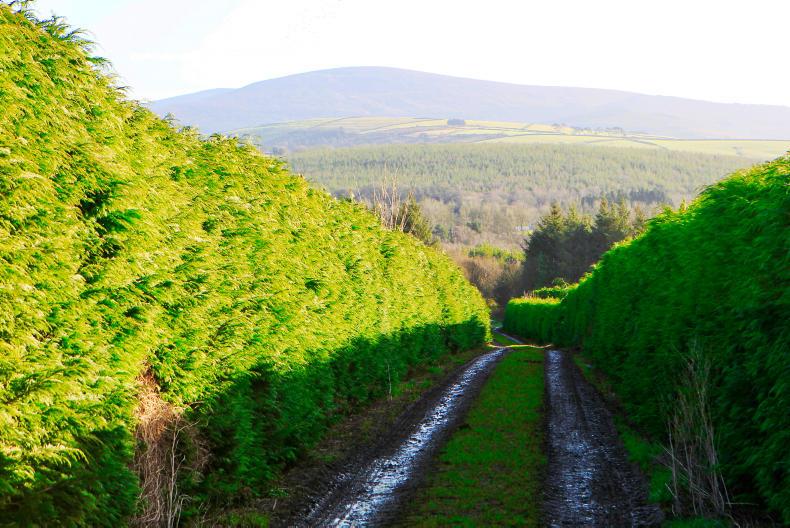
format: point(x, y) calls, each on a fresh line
point(565, 245)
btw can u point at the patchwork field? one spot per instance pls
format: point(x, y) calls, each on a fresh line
point(296, 135)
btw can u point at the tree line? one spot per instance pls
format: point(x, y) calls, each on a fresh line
point(563, 246)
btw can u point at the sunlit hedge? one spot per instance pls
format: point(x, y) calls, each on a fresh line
point(260, 306)
point(714, 277)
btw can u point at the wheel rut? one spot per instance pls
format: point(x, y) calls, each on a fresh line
point(589, 480)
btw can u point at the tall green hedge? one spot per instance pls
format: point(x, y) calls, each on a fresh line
point(713, 276)
point(260, 306)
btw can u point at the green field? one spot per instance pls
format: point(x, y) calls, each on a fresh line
point(489, 473)
point(297, 135)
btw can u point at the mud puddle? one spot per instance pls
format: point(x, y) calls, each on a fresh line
point(589, 480)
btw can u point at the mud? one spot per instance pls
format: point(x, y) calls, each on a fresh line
point(589, 480)
point(372, 486)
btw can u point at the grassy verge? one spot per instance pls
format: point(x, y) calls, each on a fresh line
point(502, 339)
point(641, 451)
point(489, 473)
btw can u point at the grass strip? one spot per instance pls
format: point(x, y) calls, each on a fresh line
point(502, 339)
point(489, 473)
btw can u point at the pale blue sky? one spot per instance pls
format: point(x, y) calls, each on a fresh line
point(720, 50)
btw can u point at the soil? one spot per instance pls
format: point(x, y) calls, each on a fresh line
point(589, 480)
point(350, 439)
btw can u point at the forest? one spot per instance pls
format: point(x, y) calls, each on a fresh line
point(180, 317)
point(690, 321)
point(495, 193)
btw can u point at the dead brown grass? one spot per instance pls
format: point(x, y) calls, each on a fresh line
point(157, 460)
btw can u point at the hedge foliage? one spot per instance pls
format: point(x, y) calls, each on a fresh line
point(713, 276)
point(260, 306)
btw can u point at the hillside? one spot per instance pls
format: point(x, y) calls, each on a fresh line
point(695, 314)
point(179, 317)
point(494, 193)
point(356, 131)
point(372, 91)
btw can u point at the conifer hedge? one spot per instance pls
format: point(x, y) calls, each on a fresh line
point(714, 277)
point(130, 251)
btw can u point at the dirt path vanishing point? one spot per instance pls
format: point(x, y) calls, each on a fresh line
point(370, 491)
point(589, 480)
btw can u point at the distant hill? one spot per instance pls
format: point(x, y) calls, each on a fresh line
point(374, 91)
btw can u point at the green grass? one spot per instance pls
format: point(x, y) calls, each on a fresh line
point(489, 473)
point(502, 339)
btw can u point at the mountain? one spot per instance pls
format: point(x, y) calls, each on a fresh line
point(374, 91)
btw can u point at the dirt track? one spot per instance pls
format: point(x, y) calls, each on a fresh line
point(589, 481)
point(373, 485)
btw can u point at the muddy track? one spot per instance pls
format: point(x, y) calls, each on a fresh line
point(589, 480)
point(373, 484)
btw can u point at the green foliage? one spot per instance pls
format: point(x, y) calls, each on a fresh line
point(496, 273)
point(713, 276)
point(495, 193)
point(502, 255)
point(260, 306)
point(413, 221)
point(552, 292)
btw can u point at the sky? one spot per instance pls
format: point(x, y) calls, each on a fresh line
point(722, 50)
